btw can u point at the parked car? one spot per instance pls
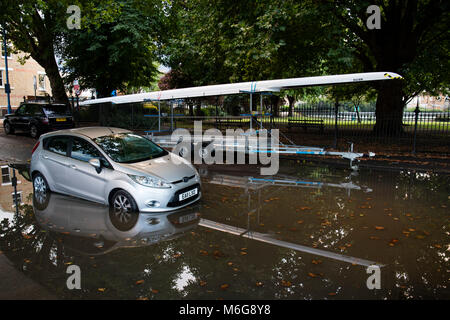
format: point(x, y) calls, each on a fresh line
point(38, 118)
point(115, 167)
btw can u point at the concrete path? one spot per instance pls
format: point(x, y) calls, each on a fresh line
point(16, 286)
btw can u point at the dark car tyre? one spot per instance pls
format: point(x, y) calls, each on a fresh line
point(41, 191)
point(123, 203)
point(34, 132)
point(8, 128)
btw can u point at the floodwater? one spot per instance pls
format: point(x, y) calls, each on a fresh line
point(311, 232)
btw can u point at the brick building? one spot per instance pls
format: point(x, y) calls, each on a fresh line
point(21, 79)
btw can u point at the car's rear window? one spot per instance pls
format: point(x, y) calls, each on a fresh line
point(56, 110)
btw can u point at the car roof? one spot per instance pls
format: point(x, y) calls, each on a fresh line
point(90, 132)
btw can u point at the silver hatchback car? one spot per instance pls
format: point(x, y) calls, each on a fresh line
point(115, 167)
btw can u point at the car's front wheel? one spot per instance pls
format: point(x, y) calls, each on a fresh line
point(8, 128)
point(123, 203)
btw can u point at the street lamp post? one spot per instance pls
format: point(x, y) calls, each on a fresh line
point(7, 86)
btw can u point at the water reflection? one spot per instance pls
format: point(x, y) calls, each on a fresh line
point(397, 218)
point(95, 229)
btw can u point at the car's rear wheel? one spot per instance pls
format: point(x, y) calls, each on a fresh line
point(8, 128)
point(123, 204)
point(34, 132)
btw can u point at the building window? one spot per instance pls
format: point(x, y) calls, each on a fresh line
point(1, 79)
point(9, 47)
point(6, 176)
point(17, 196)
point(41, 81)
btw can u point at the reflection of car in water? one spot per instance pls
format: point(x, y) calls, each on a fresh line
point(92, 228)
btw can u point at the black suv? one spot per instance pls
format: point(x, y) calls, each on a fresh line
point(37, 118)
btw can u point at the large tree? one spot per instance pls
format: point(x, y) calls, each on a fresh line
point(412, 40)
point(116, 51)
point(34, 27)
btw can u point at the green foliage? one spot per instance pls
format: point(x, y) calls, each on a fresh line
point(115, 49)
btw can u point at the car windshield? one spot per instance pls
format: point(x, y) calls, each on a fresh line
point(56, 110)
point(129, 148)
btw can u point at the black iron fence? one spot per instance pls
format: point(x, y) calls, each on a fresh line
point(316, 124)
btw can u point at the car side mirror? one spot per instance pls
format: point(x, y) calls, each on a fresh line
point(96, 164)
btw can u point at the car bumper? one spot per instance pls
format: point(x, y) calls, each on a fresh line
point(162, 200)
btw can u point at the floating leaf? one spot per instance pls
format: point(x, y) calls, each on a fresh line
point(299, 221)
point(140, 281)
point(316, 261)
point(312, 275)
point(155, 291)
point(224, 286)
point(259, 284)
point(203, 252)
point(202, 283)
point(101, 289)
point(286, 283)
point(379, 227)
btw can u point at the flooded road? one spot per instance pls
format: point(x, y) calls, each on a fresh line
point(308, 233)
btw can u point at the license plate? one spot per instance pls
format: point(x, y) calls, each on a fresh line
point(187, 194)
point(60, 119)
point(187, 218)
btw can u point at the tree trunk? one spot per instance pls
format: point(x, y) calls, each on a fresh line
point(291, 100)
point(389, 109)
point(52, 72)
point(274, 101)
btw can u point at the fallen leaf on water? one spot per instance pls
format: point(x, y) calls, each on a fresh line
point(316, 261)
point(411, 229)
point(101, 289)
point(142, 298)
point(230, 263)
point(224, 286)
point(203, 252)
point(312, 275)
point(286, 283)
point(155, 291)
point(259, 284)
point(243, 253)
point(332, 293)
point(177, 255)
point(202, 283)
point(379, 227)
point(373, 238)
point(299, 221)
point(420, 236)
point(437, 246)
point(140, 282)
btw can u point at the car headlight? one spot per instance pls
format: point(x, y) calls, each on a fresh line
point(149, 181)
